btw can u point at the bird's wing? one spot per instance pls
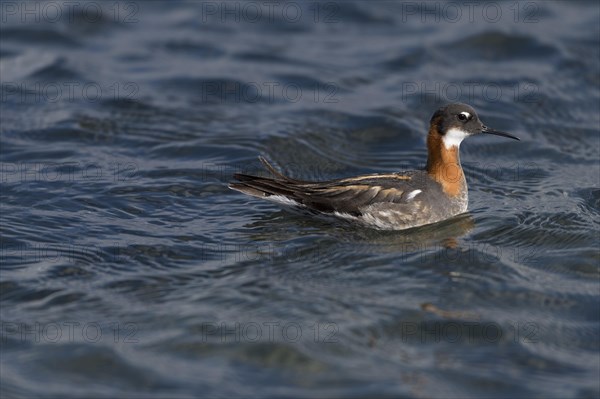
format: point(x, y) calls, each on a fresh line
point(354, 194)
point(342, 195)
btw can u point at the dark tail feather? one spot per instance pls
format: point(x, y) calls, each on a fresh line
point(243, 188)
point(278, 175)
point(272, 170)
point(261, 187)
point(244, 177)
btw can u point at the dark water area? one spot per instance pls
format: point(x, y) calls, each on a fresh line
point(129, 269)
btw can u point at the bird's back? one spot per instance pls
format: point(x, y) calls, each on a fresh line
point(386, 201)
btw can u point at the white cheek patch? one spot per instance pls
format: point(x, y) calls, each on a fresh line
point(453, 138)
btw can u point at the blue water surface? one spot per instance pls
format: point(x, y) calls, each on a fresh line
point(129, 269)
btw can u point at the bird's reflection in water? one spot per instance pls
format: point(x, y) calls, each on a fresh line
point(280, 228)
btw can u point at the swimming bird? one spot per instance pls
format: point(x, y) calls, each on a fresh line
point(387, 201)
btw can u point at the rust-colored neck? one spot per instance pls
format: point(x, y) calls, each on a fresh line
point(443, 164)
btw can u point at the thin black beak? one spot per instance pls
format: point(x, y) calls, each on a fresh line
point(487, 130)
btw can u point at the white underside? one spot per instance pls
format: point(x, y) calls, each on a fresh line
point(366, 219)
point(380, 219)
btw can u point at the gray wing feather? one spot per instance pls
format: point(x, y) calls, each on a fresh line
point(343, 195)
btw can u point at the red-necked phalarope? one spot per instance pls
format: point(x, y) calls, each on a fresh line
point(391, 201)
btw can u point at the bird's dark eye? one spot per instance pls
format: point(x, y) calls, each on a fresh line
point(462, 117)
